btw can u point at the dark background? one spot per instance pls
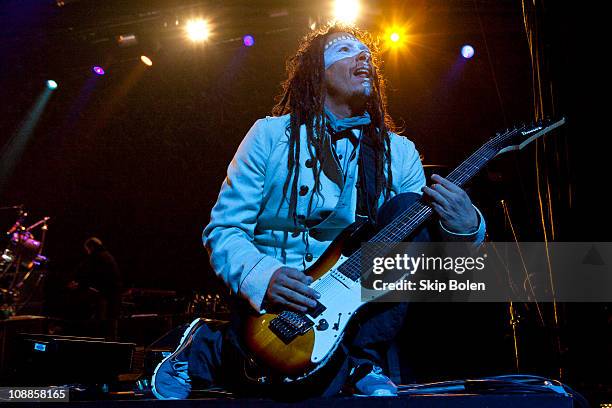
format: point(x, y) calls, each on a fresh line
point(136, 157)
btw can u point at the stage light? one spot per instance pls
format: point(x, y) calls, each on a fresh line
point(467, 51)
point(127, 40)
point(62, 3)
point(146, 60)
point(395, 37)
point(98, 70)
point(346, 11)
point(248, 40)
point(51, 84)
point(197, 30)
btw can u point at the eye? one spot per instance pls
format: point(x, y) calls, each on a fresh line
point(344, 49)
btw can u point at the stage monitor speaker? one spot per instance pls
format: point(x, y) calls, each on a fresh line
point(51, 359)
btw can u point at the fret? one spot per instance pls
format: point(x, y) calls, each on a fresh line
point(415, 215)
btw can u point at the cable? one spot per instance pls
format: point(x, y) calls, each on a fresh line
point(502, 384)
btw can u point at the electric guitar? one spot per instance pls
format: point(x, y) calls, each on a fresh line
point(296, 345)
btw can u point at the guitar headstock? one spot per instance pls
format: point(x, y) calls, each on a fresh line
point(519, 137)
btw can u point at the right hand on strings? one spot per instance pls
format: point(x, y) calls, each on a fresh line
point(288, 289)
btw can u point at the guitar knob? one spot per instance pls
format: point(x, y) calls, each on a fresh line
point(322, 325)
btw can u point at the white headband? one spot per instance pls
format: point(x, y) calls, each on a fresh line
point(342, 47)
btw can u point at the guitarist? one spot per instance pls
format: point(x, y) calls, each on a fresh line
point(297, 180)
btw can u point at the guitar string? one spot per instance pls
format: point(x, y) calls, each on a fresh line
point(422, 212)
point(326, 287)
point(416, 213)
point(394, 235)
point(420, 207)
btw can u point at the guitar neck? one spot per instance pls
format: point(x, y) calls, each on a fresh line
point(416, 214)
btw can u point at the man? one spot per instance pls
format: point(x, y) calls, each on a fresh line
point(98, 278)
point(290, 190)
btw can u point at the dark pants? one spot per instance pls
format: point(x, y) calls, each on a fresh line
point(217, 356)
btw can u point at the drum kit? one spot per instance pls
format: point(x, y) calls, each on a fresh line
point(21, 259)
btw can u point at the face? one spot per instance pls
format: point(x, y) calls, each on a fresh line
point(348, 68)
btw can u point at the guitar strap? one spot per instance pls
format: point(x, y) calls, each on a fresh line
point(367, 192)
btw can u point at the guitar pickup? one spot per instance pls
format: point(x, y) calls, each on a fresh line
point(314, 312)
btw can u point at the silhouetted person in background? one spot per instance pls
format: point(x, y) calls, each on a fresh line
point(99, 275)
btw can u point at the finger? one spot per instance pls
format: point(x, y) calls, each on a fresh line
point(298, 275)
point(435, 196)
point(297, 298)
point(299, 287)
point(446, 183)
point(286, 304)
point(306, 280)
point(455, 195)
point(442, 213)
point(444, 192)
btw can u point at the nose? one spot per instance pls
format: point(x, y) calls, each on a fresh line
point(364, 56)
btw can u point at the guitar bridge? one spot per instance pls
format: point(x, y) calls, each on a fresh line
point(288, 325)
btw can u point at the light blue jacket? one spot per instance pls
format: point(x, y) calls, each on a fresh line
point(250, 234)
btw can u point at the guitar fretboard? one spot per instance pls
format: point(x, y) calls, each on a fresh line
point(416, 214)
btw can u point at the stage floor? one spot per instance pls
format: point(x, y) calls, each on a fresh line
point(420, 401)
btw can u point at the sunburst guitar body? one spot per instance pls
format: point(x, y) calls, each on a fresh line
point(295, 343)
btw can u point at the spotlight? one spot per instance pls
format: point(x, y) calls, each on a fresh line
point(248, 40)
point(346, 11)
point(62, 3)
point(395, 37)
point(127, 40)
point(197, 30)
point(467, 51)
point(51, 84)
point(98, 70)
point(146, 60)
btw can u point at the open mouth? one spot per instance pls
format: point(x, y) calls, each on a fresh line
point(362, 72)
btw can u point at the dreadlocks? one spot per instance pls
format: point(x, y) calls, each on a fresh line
point(303, 94)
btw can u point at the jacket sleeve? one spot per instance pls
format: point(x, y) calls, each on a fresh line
point(413, 180)
point(228, 237)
